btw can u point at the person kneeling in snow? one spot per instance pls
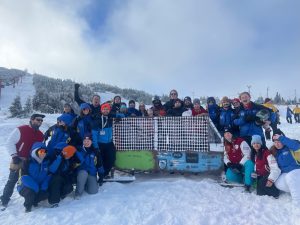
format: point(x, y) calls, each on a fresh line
point(266, 167)
point(90, 164)
point(237, 160)
point(63, 173)
point(33, 186)
point(285, 153)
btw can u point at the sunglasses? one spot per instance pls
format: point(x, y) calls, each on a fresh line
point(173, 93)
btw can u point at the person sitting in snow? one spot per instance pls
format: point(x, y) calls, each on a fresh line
point(237, 159)
point(62, 169)
point(285, 152)
point(266, 168)
point(90, 165)
point(95, 105)
point(33, 185)
point(102, 138)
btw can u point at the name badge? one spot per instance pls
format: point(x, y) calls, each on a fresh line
point(102, 132)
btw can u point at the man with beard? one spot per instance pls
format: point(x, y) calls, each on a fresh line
point(18, 145)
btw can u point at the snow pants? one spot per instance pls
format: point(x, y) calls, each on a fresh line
point(241, 177)
point(86, 182)
point(290, 182)
point(9, 186)
point(32, 198)
point(108, 155)
point(59, 187)
point(262, 189)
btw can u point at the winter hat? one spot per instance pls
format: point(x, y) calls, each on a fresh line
point(188, 98)
point(38, 145)
point(256, 139)
point(267, 100)
point(66, 118)
point(211, 99)
point(236, 100)
point(225, 99)
point(196, 101)
point(87, 136)
point(105, 106)
point(85, 106)
point(227, 129)
point(35, 115)
point(68, 151)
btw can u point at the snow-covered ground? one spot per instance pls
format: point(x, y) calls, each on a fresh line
point(152, 199)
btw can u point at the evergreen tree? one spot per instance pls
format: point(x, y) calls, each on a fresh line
point(16, 108)
point(28, 107)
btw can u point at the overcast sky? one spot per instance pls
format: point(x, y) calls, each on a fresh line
point(199, 47)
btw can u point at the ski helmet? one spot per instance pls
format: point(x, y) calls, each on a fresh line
point(263, 114)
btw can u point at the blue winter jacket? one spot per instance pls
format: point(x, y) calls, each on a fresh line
point(38, 177)
point(131, 111)
point(59, 134)
point(289, 112)
point(251, 128)
point(83, 125)
point(102, 131)
point(88, 160)
point(226, 119)
point(214, 114)
point(284, 157)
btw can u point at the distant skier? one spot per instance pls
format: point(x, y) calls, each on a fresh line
point(296, 112)
point(289, 114)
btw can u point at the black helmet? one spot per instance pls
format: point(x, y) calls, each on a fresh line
point(156, 99)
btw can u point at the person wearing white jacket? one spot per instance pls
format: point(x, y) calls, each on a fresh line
point(266, 168)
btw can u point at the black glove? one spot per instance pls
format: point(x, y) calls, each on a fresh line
point(76, 85)
point(235, 166)
point(250, 118)
point(16, 160)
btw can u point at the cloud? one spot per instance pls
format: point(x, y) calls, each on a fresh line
point(197, 47)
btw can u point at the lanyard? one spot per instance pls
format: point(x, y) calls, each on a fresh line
point(103, 124)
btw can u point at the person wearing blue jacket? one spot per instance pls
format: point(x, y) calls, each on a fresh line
point(63, 173)
point(289, 114)
point(83, 123)
point(284, 150)
point(132, 111)
point(90, 165)
point(248, 121)
point(226, 115)
point(33, 186)
point(62, 132)
point(213, 111)
point(102, 138)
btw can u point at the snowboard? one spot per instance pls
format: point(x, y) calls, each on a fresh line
point(120, 176)
point(230, 185)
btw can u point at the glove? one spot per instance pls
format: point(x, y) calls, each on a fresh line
point(16, 160)
point(250, 118)
point(76, 85)
point(101, 170)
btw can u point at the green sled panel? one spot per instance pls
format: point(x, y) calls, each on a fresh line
point(136, 159)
